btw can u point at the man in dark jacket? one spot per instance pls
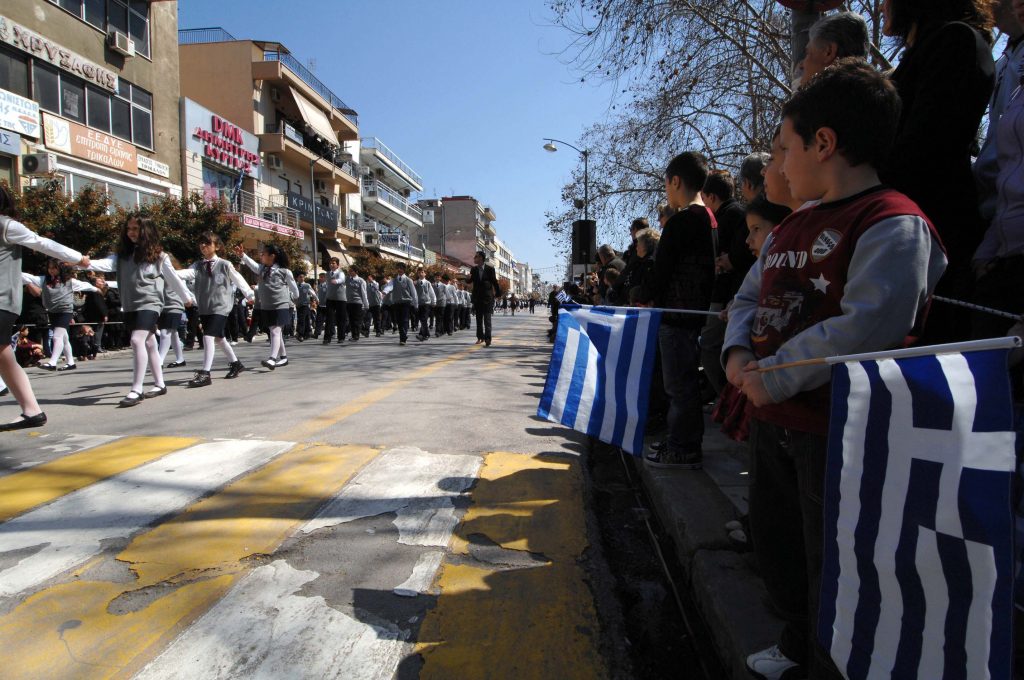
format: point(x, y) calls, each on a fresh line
point(485, 288)
point(609, 259)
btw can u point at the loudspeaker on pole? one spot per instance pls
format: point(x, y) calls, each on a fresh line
point(584, 241)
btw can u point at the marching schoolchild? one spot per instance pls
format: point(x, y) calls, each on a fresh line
point(425, 292)
point(851, 274)
point(143, 269)
point(439, 308)
point(321, 304)
point(450, 303)
point(403, 300)
point(337, 301)
point(58, 287)
point(168, 324)
point(387, 317)
point(375, 300)
point(306, 299)
point(357, 302)
point(13, 237)
point(277, 289)
point(215, 281)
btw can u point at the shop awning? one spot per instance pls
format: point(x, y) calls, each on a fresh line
point(335, 249)
point(315, 118)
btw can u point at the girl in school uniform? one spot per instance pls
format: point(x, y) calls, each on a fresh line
point(214, 280)
point(13, 237)
point(143, 270)
point(168, 324)
point(58, 287)
point(276, 290)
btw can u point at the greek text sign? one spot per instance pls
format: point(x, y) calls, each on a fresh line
point(19, 114)
point(61, 57)
point(92, 145)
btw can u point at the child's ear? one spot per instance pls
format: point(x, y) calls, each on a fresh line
point(825, 143)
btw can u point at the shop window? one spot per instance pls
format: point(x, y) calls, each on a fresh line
point(78, 183)
point(14, 73)
point(123, 196)
point(72, 99)
point(46, 87)
point(98, 105)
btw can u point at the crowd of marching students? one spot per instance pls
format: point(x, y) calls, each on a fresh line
point(875, 201)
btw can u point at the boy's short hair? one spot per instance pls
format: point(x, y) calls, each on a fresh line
point(691, 167)
point(720, 184)
point(638, 224)
point(857, 102)
point(335, 260)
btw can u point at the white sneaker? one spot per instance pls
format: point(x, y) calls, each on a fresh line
point(772, 664)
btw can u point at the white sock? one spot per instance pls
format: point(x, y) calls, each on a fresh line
point(165, 344)
point(208, 349)
point(69, 354)
point(60, 336)
point(276, 342)
point(179, 354)
point(155, 367)
point(226, 348)
point(139, 359)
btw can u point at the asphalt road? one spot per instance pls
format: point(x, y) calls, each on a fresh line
point(370, 510)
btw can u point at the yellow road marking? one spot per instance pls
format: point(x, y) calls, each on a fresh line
point(306, 429)
point(83, 629)
point(534, 622)
point(23, 491)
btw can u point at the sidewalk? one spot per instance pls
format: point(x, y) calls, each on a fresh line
point(693, 507)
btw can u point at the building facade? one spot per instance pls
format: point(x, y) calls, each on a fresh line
point(89, 93)
point(503, 263)
point(306, 141)
point(459, 226)
point(391, 222)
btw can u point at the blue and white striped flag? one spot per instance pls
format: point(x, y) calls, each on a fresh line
point(599, 378)
point(917, 580)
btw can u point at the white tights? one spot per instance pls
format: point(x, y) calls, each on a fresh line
point(144, 350)
point(14, 376)
point(170, 337)
point(276, 342)
point(61, 344)
point(208, 347)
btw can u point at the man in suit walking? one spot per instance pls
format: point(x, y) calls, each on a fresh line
point(485, 289)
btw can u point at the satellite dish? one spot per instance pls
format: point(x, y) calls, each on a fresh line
point(811, 5)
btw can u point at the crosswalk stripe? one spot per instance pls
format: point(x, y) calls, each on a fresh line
point(72, 529)
point(22, 491)
point(181, 567)
point(263, 626)
point(537, 621)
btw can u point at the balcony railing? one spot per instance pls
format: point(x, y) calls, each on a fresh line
point(306, 76)
point(195, 36)
point(288, 130)
point(273, 209)
point(392, 237)
point(374, 143)
point(292, 133)
point(372, 187)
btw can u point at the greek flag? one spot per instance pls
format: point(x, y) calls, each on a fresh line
point(917, 580)
point(599, 377)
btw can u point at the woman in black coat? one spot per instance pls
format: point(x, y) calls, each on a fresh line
point(944, 78)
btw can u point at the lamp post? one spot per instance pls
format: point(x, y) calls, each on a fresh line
point(550, 146)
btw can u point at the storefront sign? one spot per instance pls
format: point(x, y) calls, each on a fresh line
point(267, 225)
point(61, 57)
point(92, 145)
point(154, 166)
point(219, 141)
point(10, 143)
point(19, 114)
point(325, 215)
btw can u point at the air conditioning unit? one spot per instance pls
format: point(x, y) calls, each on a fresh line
point(320, 186)
point(273, 162)
point(121, 43)
point(370, 238)
point(38, 163)
point(275, 94)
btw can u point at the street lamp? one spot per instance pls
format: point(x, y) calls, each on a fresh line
point(550, 146)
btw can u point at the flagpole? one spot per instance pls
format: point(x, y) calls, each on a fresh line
point(566, 306)
point(1011, 342)
point(977, 308)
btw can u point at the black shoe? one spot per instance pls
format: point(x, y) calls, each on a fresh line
point(326, 341)
point(175, 364)
point(47, 367)
point(300, 339)
point(67, 367)
point(130, 400)
point(155, 392)
point(487, 343)
point(269, 363)
point(4, 392)
point(37, 420)
point(234, 369)
point(200, 379)
point(283, 361)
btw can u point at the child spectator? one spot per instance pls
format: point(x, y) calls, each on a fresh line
point(850, 274)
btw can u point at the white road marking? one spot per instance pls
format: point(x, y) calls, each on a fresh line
point(70, 529)
point(422, 577)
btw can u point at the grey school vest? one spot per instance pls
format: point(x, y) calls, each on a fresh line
point(439, 292)
point(10, 271)
point(213, 291)
point(273, 288)
point(140, 284)
point(58, 299)
point(354, 291)
point(172, 301)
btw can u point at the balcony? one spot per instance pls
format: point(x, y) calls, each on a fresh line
point(390, 160)
point(295, 148)
point(391, 240)
point(273, 209)
point(397, 207)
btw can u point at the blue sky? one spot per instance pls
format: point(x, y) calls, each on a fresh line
point(463, 90)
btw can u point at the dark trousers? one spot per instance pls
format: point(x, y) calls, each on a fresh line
point(304, 329)
point(355, 319)
point(193, 326)
point(424, 319)
point(387, 321)
point(680, 358)
point(483, 321)
point(375, 315)
point(711, 338)
point(401, 311)
point(337, 318)
point(787, 489)
point(449, 319)
point(439, 320)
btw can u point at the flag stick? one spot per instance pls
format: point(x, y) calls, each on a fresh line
point(977, 308)
point(572, 305)
point(925, 350)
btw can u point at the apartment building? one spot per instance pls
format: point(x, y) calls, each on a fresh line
point(503, 263)
point(89, 96)
point(522, 279)
point(305, 137)
point(459, 226)
point(391, 222)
